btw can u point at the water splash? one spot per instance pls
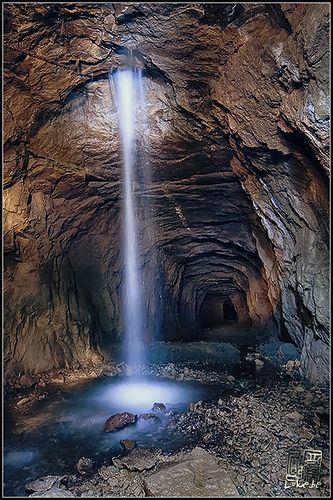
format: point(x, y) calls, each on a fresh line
point(127, 87)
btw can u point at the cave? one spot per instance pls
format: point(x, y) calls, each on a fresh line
point(166, 248)
point(229, 311)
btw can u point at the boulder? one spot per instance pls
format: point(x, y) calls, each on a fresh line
point(85, 466)
point(44, 483)
point(128, 444)
point(122, 483)
point(295, 416)
point(197, 475)
point(119, 421)
point(53, 493)
point(159, 407)
point(139, 459)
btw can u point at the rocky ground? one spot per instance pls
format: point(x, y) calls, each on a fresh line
point(237, 445)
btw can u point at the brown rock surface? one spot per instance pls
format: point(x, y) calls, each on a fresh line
point(128, 444)
point(239, 153)
point(196, 475)
point(119, 421)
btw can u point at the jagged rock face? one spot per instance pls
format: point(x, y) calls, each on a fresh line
point(238, 151)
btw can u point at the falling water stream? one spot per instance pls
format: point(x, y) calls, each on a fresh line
point(127, 85)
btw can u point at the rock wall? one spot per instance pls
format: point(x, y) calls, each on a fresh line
point(238, 149)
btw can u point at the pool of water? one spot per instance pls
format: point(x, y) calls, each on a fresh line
point(49, 436)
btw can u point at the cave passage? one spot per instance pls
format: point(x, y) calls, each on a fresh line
point(166, 247)
point(217, 311)
point(229, 311)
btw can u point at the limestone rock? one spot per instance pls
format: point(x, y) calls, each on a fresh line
point(197, 475)
point(139, 459)
point(122, 482)
point(53, 493)
point(295, 416)
point(44, 483)
point(85, 466)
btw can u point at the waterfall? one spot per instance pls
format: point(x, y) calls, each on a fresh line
point(127, 89)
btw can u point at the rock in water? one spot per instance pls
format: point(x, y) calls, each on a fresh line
point(159, 407)
point(259, 363)
point(85, 466)
point(118, 421)
point(128, 444)
point(197, 475)
point(44, 483)
point(148, 416)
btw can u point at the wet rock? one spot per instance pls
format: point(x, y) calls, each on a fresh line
point(148, 416)
point(121, 368)
point(128, 444)
point(44, 483)
point(57, 378)
point(54, 493)
point(197, 475)
point(207, 437)
point(121, 482)
point(307, 434)
point(85, 466)
point(196, 405)
point(25, 400)
point(119, 421)
point(159, 407)
point(299, 389)
point(295, 416)
point(292, 364)
point(231, 379)
point(326, 480)
point(280, 352)
point(139, 459)
point(308, 399)
point(259, 363)
point(27, 381)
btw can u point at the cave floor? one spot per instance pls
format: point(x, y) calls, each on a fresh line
point(248, 417)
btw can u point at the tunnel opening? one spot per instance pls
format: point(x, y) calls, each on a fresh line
point(217, 311)
point(229, 312)
point(211, 313)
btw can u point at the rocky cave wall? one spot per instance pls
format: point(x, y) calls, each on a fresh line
point(238, 148)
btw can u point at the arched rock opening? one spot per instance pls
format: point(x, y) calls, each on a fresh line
point(229, 311)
